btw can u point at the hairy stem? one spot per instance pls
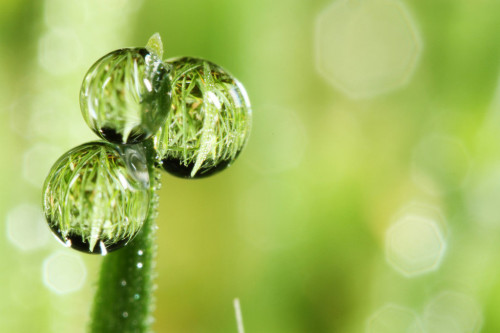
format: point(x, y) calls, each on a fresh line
point(124, 298)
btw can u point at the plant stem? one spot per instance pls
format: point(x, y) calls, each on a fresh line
point(124, 298)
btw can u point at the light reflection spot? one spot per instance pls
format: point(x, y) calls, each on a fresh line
point(37, 162)
point(394, 319)
point(452, 312)
point(60, 51)
point(414, 245)
point(26, 227)
point(482, 197)
point(366, 48)
point(64, 272)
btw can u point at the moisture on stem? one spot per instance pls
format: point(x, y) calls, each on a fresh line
point(124, 299)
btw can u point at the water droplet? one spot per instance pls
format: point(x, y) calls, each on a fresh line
point(140, 252)
point(137, 296)
point(123, 283)
point(94, 201)
point(125, 95)
point(125, 314)
point(209, 121)
point(139, 265)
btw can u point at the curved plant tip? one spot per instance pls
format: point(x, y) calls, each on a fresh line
point(155, 45)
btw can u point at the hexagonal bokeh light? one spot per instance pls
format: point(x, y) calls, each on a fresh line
point(64, 272)
point(452, 312)
point(482, 197)
point(394, 319)
point(366, 48)
point(26, 227)
point(415, 244)
point(37, 162)
point(60, 51)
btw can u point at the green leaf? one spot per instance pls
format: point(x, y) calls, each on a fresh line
point(155, 45)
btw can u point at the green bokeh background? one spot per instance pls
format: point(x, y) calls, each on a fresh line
point(296, 228)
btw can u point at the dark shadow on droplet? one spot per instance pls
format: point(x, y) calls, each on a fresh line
point(137, 138)
point(176, 168)
point(142, 51)
point(196, 91)
point(79, 244)
point(109, 134)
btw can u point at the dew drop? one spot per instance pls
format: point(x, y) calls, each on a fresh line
point(139, 265)
point(125, 95)
point(209, 121)
point(125, 314)
point(78, 192)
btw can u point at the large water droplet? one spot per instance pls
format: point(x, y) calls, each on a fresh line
point(125, 95)
point(96, 196)
point(209, 121)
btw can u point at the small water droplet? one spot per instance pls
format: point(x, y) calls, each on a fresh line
point(139, 265)
point(76, 202)
point(140, 252)
point(125, 95)
point(125, 314)
point(137, 296)
point(219, 120)
point(123, 283)
point(135, 160)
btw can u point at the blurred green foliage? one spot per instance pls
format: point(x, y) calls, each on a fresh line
point(297, 227)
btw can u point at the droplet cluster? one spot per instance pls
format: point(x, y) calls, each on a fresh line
point(187, 115)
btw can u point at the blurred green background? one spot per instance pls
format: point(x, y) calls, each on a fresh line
point(367, 199)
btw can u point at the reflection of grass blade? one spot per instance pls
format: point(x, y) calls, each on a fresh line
point(124, 298)
point(210, 112)
point(99, 212)
point(90, 199)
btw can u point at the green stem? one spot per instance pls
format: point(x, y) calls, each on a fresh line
point(124, 298)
